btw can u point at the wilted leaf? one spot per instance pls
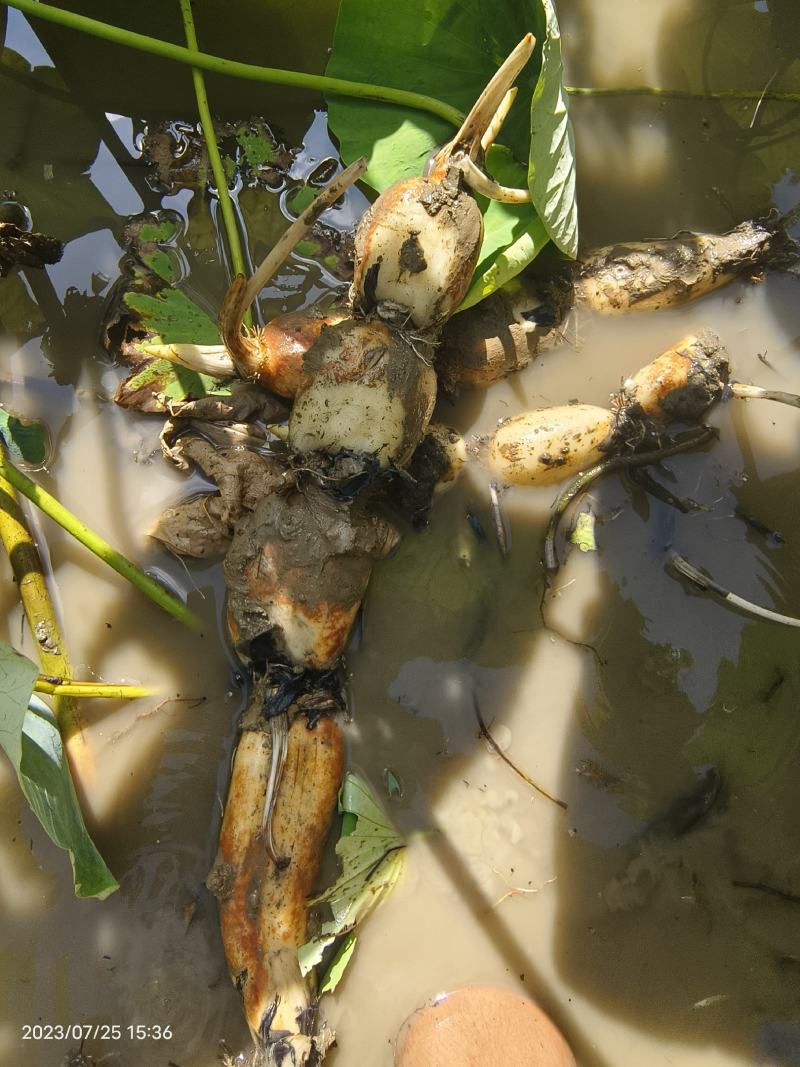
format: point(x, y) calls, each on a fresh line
point(30, 737)
point(24, 439)
point(370, 852)
point(551, 168)
point(156, 384)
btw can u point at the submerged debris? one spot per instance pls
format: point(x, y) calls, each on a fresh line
point(24, 248)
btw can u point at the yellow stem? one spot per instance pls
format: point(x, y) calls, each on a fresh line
point(52, 652)
point(92, 689)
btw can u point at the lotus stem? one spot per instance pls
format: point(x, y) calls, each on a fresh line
point(248, 71)
point(708, 585)
point(210, 137)
point(682, 94)
point(205, 359)
point(96, 544)
point(26, 564)
point(69, 688)
point(578, 484)
point(755, 392)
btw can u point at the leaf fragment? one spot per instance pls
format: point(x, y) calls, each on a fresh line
point(31, 739)
point(551, 164)
point(370, 852)
point(25, 439)
point(582, 535)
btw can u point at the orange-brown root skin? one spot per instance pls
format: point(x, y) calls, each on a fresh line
point(263, 907)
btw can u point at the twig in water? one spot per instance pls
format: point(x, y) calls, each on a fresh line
point(96, 544)
point(500, 523)
point(637, 459)
point(773, 536)
point(639, 476)
point(299, 228)
point(682, 94)
point(708, 585)
point(483, 730)
point(771, 890)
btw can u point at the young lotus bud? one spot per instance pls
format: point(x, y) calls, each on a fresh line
point(417, 247)
point(549, 445)
point(274, 355)
point(370, 392)
point(679, 384)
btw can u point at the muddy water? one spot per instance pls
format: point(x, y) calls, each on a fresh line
point(648, 945)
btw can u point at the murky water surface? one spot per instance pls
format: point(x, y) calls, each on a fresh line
point(619, 690)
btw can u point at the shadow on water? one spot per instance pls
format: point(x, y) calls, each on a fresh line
point(692, 935)
point(680, 164)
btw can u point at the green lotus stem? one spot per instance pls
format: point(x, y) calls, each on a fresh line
point(682, 94)
point(101, 548)
point(214, 158)
point(248, 71)
point(68, 688)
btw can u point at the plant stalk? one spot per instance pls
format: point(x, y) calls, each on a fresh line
point(248, 71)
point(682, 94)
point(69, 688)
point(96, 544)
point(573, 489)
point(26, 564)
point(214, 158)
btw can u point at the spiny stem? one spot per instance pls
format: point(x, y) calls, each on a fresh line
point(96, 544)
point(26, 564)
point(681, 94)
point(248, 71)
point(214, 158)
point(69, 688)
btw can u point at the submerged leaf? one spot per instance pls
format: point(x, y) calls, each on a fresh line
point(25, 440)
point(551, 168)
point(172, 318)
point(30, 736)
point(370, 852)
point(156, 385)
